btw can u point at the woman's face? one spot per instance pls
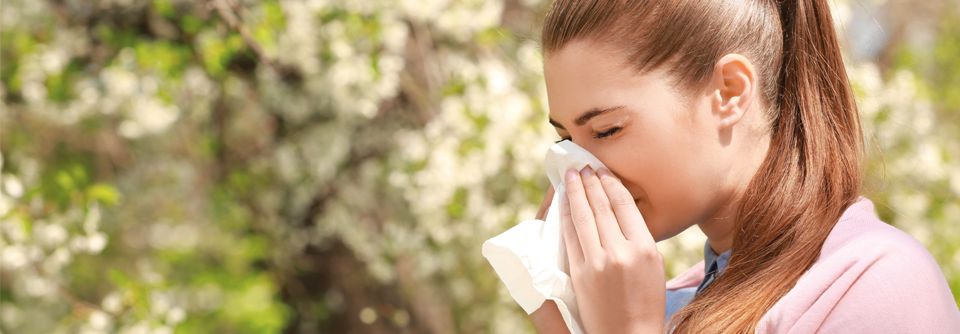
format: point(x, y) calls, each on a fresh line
point(665, 149)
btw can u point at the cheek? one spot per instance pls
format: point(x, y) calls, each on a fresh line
point(666, 175)
point(625, 161)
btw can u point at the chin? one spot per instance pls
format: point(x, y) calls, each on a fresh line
point(661, 228)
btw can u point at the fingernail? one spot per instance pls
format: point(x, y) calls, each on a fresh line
point(565, 199)
point(571, 174)
point(603, 173)
point(586, 171)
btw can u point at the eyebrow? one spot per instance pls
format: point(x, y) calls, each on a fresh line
point(583, 119)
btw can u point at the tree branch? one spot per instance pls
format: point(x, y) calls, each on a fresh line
point(227, 13)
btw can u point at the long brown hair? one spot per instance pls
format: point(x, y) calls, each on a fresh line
point(812, 171)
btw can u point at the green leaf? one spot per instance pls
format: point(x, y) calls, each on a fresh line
point(119, 278)
point(165, 8)
point(191, 24)
point(103, 193)
point(65, 182)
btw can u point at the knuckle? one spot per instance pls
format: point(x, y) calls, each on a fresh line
point(650, 254)
point(610, 181)
point(602, 209)
point(580, 218)
point(620, 259)
point(614, 260)
point(590, 181)
point(597, 266)
point(619, 201)
point(570, 236)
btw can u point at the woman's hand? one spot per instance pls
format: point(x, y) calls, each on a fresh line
point(617, 271)
point(545, 204)
point(547, 318)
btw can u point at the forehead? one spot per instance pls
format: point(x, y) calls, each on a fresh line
point(585, 60)
point(582, 76)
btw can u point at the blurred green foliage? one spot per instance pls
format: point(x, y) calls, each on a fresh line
point(330, 166)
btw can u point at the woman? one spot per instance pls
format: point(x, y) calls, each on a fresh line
point(737, 117)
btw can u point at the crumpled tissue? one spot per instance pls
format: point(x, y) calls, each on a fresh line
point(531, 258)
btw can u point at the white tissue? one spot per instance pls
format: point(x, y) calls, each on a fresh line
point(531, 258)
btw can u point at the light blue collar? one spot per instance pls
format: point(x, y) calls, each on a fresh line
point(714, 266)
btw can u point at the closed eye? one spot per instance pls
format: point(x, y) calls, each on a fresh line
point(607, 133)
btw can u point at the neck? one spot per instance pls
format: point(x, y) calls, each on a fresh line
point(720, 231)
point(720, 228)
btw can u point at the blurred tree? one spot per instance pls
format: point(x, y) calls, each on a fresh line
point(911, 100)
point(322, 166)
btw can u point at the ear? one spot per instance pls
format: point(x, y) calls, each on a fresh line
point(733, 84)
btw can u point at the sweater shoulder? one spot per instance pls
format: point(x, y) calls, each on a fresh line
point(860, 236)
point(870, 275)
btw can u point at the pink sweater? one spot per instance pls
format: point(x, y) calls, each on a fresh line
point(870, 278)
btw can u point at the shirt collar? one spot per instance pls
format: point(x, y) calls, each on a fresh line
point(712, 261)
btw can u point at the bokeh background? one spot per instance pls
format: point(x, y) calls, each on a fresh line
point(333, 166)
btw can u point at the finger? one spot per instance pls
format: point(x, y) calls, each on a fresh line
point(545, 204)
point(574, 251)
point(632, 225)
point(607, 226)
point(582, 216)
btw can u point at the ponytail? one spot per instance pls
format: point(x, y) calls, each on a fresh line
point(810, 176)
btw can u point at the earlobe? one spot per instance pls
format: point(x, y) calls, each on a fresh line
point(734, 80)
